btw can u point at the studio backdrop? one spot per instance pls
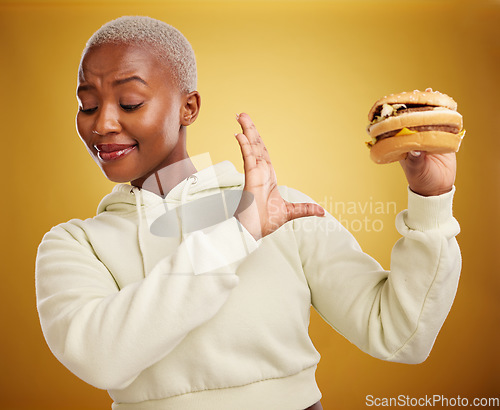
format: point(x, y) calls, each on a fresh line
point(307, 72)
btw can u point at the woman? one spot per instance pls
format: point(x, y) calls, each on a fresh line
point(192, 288)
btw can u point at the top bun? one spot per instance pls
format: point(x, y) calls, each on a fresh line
point(434, 98)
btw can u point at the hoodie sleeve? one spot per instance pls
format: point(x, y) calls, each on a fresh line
point(107, 336)
point(392, 315)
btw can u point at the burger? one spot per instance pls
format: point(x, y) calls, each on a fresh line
point(413, 121)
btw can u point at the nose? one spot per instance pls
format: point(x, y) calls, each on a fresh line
point(107, 121)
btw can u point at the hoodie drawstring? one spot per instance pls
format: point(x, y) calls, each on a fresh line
point(137, 192)
point(191, 180)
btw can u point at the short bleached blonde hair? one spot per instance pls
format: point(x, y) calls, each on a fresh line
point(165, 41)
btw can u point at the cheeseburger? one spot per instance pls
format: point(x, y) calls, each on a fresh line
point(413, 121)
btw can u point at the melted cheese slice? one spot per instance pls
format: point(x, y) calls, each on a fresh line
point(405, 131)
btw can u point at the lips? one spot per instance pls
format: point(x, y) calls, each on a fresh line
point(110, 152)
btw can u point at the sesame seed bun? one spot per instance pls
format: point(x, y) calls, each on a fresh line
point(433, 98)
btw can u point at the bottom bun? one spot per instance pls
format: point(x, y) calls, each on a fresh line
point(396, 148)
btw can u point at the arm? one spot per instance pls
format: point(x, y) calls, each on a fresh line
point(393, 315)
point(106, 335)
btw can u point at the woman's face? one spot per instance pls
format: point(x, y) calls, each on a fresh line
point(130, 113)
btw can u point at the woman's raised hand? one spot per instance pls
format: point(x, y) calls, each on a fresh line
point(262, 210)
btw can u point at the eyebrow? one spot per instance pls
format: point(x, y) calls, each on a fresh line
point(129, 79)
point(115, 83)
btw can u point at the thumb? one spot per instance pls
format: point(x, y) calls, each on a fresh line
point(415, 157)
point(414, 161)
point(299, 210)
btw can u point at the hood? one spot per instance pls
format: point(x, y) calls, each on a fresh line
point(202, 200)
point(203, 183)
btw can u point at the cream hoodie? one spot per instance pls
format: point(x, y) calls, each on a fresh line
point(171, 304)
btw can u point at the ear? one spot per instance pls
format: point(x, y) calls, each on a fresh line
point(190, 107)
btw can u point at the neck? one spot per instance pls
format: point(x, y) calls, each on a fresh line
point(168, 177)
point(179, 167)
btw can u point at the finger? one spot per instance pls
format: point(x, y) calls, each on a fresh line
point(265, 154)
point(257, 142)
point(299, 210)
point(248, 154)
point(249, 129)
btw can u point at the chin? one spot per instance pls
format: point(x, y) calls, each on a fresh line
point(117, 177)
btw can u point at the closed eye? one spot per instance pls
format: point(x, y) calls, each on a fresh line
point(88, 110)
point(132, 107)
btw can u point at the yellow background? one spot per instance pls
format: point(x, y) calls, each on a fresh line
point(307, 72)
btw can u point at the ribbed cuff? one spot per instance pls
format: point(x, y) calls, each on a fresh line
point(429, 212)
